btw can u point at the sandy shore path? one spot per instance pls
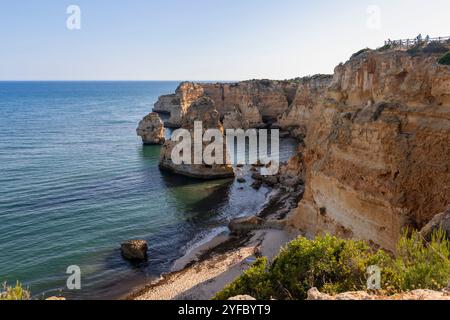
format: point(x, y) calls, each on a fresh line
point(203, 279)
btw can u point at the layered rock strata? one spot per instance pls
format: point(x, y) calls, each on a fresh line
point(310, 90)
point(178, 104)
point(377, 153)
point(204, 111)
point(248, 104)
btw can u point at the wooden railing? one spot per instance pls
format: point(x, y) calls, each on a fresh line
point(408, 43)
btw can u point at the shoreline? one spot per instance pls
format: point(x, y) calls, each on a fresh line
point(208, 268)
point(215, 268)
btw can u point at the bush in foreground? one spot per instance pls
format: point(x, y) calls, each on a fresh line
point(335, 265)
point(14, 293)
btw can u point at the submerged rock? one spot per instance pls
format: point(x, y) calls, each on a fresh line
point(151, 129)
point(257, 185)
point(134, 250)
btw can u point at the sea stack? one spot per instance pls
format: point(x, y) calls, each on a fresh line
point(202, 110)
point(151, 129)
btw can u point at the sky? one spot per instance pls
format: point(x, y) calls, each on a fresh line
point(201, 39)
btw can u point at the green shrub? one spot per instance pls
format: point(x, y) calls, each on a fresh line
point(445, 59)
point(360, 52)
point(423, 265)
point(14, 293)
point(334, 265)
point(254, 282)
point(385, 47)
point(415, 50)
point(436, 47)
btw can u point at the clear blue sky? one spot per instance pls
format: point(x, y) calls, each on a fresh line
point(200, 39)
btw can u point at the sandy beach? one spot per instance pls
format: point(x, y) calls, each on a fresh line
point(216, 267)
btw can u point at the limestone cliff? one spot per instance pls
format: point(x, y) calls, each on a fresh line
point(202, 110)
point(377, 153)
point(254, 103)
point(178, 104)
point(310, 90)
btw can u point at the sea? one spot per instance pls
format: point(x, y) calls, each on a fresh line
point(76, 181)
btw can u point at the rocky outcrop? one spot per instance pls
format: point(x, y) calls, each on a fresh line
point(202, 110)
point(167, 104)
point(248, 104)
point(134, 250)
point(178, 104)
point(151, 129)
point(439, 222)
point(310, 90)
point(377, 149)
point(314, 294)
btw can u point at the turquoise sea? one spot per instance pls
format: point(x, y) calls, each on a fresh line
point(76, 181)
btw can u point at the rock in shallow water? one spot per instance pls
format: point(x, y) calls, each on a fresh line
point(134, 250)
point(151, 129)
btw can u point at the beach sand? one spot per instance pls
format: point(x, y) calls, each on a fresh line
point(216, 267)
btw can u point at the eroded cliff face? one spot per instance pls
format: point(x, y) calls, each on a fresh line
point(202, 110)
point(248, 104)
point(310, 90)
point(178, 104)
point(377, 153)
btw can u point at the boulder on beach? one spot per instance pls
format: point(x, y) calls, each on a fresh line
point(244, 225)
point(134, 250)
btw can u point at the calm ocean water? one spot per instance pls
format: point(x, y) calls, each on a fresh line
point(76, 181)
